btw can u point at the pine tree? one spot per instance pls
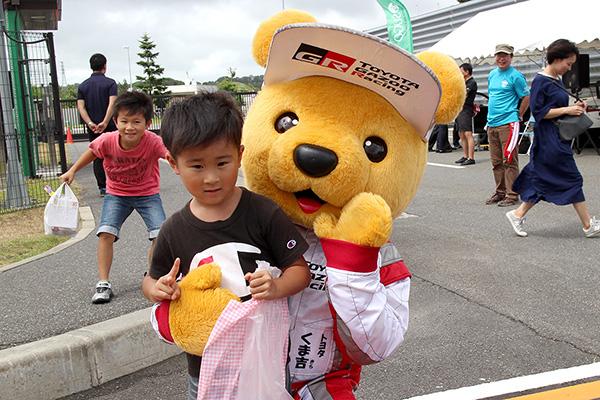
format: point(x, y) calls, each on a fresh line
point(151, 82)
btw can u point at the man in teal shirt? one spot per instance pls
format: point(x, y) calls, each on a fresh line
point(506, 86)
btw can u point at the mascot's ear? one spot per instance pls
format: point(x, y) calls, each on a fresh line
point(452, 81)
point(264, 34)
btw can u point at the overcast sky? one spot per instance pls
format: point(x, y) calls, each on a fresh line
point(196, 39)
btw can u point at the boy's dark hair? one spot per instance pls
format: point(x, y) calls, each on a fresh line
point(134, 102)
point(97, 62)
point(202, 120)
point(561, 49)
point(467, 67)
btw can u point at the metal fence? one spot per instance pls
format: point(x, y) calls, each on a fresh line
point(75, 124)
point(32, 147)
point(32, 153)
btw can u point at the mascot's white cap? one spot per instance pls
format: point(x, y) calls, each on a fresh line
point(311, 49)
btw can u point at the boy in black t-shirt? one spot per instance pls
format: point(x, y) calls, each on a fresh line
point(222, 223)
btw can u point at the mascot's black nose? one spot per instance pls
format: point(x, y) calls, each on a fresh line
point(314, 160)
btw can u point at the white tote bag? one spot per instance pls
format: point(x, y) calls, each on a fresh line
point(61, 216)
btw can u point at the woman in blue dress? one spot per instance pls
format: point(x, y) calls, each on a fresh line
point(552, 174)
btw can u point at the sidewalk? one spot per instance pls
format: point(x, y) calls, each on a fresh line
point(54, 341)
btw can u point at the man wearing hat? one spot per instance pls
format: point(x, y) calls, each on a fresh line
point(506, 86)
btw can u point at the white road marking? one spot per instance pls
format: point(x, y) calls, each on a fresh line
point(445, 165)
point(515, 385)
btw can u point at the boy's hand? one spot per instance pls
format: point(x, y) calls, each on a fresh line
point(166, 287)
point(262, 285)
point(67, 177)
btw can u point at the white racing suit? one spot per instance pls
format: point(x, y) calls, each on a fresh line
point(353, 313)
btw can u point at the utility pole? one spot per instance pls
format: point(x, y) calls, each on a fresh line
point(63, 82)
point(129, 64)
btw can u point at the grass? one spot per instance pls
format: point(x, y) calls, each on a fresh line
point(45, 155)
point(22, 234)
point(35, 187)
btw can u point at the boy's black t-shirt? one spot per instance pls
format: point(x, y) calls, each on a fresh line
point(258, 229)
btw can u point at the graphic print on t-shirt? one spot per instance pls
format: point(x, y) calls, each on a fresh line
point(226, 256)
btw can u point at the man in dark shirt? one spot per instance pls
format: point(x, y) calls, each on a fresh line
point(95, 99)
point(464, 121)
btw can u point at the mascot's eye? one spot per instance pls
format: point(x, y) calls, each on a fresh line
point(375, 148)
point(286, 122)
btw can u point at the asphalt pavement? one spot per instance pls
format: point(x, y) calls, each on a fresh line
point(486, 305)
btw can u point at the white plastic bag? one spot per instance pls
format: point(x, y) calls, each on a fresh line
point(61, 216)
point(265, 353)
point(246, 353)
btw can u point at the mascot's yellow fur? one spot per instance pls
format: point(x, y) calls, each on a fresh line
point(360, 197)
point(193, 315)
point(377, 158)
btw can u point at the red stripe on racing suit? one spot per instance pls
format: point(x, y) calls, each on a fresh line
point(160, 321)
point(354, 312)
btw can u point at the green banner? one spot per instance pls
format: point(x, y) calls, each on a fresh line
point(398, 24)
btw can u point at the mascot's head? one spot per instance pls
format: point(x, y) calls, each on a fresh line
point(341, 113)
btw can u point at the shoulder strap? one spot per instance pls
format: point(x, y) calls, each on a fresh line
point(562, 87)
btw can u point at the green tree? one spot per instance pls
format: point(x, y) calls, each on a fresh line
point(250, 83)
point(122, 86)
point(70, 92)
point(227, 84)
point(171, 81)
point(151, 82)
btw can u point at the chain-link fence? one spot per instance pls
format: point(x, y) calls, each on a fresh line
point(32, 151)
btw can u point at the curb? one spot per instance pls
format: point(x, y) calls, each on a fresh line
point(81, 359)
point(87, 225)
point(84, 358)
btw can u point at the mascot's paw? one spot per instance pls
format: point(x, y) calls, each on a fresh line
point(366, 220)
point(206, 276)
point(194, 314)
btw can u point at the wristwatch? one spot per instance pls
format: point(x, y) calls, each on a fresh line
point(90, 123)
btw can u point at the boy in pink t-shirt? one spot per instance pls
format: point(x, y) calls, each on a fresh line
point(131, 157)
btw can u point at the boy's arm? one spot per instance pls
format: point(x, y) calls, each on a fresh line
point(163, 288)
point(294, 278)
point(87, 157)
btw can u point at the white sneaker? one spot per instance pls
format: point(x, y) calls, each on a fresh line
point(594, 228)
point(103, 292)
point(516, 223)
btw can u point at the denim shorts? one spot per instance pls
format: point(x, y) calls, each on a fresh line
point(116, 209)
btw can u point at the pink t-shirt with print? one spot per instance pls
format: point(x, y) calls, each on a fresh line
point(132, 172)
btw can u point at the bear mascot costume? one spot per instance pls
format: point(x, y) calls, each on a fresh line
point(338, 138)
